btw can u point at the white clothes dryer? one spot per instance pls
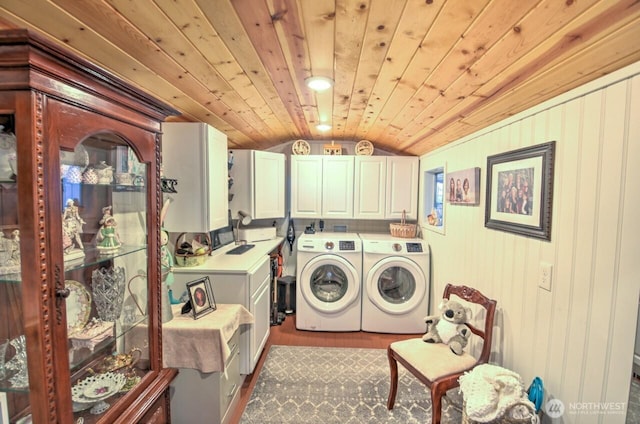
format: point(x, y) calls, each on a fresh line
point(328, 282)
point(396, 284)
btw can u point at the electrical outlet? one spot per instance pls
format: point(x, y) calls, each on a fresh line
point(546, 272)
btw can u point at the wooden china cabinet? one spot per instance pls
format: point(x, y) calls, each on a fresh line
point(80, 290)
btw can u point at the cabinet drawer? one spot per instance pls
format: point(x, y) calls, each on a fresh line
point(257, 277)
point(234, 347)
point(230, 382)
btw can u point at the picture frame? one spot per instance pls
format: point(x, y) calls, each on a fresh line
point(519, 193)
point(201, 297)
point(463, 187)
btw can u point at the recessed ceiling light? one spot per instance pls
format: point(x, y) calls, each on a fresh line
point(319, 83)
point(323, 127)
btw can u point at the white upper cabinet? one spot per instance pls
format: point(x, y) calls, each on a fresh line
point(195, 154)
point(370, 185)
point(337, 186)
point(306, 186)
point(258, 184)
point(322, 186)
point(402, 187)
point(354, 187)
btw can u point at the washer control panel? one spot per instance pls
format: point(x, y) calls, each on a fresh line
point(347, 245)
point(414, 247)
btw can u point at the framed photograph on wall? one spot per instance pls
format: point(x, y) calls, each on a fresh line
point(463, 187)
point(520, 191)
point(201, 297)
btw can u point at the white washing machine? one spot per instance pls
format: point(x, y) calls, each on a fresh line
point(396, 284)
point(328, 282)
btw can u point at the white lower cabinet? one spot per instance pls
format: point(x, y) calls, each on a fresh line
point(198, 397)
point(248, 288)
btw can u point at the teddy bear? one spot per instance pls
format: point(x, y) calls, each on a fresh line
point(450, 326)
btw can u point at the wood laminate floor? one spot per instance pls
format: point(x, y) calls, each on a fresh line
point(287, 334)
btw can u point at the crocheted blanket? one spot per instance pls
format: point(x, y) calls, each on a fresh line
point(489, 391)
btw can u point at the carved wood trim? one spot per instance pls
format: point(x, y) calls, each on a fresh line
point(47, 324)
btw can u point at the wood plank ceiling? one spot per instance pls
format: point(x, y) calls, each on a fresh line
point(410, 75)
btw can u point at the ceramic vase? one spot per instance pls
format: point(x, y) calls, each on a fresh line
point(74, 175)
point(108, 292)
point(90, 176)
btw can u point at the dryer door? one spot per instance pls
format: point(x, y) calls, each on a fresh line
point(329, 283)
point(396, 285)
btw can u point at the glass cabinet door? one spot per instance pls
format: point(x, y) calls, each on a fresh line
point(14, 377)
point(104, 241)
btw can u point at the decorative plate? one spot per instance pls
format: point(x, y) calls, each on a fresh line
point(364, 148)
point(97, 387)
point(300, 147)
point(79, 157)
point(78, 306)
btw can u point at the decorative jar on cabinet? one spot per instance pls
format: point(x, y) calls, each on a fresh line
point(62, 346)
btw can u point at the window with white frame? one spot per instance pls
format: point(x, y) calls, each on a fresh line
point(434, 199)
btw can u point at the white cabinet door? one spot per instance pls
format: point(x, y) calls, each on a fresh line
point(260, 308)
point(258, 184)
point(306, 186)
point(268, 185)
point(195, 154)
point(337, 187)
point(370, 185)
point(402, 187)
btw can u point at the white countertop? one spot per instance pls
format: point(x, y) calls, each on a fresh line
point(219, 261)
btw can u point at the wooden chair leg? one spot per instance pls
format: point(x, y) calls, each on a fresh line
point(393, 384)
point(436, 404)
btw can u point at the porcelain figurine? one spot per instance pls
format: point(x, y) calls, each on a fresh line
point(108, 240)
point(72, 224)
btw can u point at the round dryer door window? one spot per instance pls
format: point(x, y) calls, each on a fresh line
point(396, 285)
point(329, 283)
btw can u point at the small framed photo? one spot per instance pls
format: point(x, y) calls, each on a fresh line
point(201, 297)
point(463, 187)
point(520, 191)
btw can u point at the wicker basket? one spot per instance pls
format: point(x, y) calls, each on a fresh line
point(188, 260)
point(508, 417)
point(403, 229)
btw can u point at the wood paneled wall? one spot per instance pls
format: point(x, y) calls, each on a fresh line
point(578, 337)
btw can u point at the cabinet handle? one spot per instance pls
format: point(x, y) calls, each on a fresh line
point(233, 390)
point(63, 293)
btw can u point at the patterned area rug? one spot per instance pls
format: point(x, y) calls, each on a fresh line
point(335, 385)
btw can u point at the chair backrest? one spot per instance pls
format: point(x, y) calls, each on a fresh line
point(472, 295)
